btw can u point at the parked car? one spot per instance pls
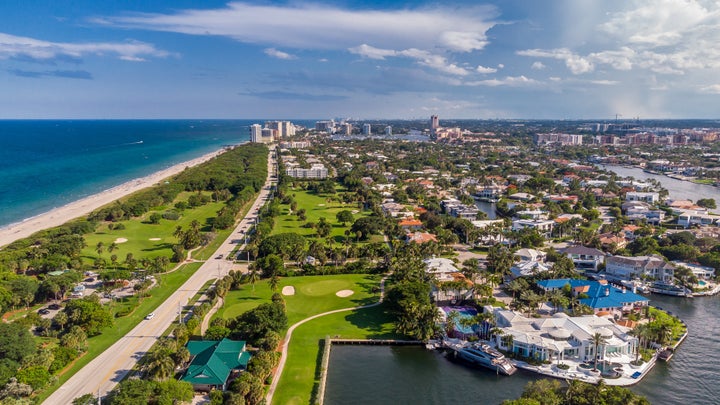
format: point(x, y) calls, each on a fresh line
point(43, 311)
point(150, 316)
point(54, 306)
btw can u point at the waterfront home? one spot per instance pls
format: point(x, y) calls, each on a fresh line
point(628, 268)
point(641, 211)
point(649, 197)
point(531, 214)
point(457, 209)
point(692, 217)
point(214, 362)
point(584, 258)
point(598, 295)
point(562, 337)
point(701, 272)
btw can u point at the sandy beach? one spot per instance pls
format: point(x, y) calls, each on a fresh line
point(59, 216)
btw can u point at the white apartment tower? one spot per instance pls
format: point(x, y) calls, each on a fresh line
point(367, 129)
point(255, 133)
point(388, 130)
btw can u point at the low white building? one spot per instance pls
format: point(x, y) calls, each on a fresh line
point(445, 274)
point(701, 272)
point(648, 197)
point(689, 218)
point(544, 227)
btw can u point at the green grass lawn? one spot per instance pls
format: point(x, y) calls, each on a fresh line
point(168, 283)
point(138, 233)
point(316, 206)
point(313, 295)
point(301, 375)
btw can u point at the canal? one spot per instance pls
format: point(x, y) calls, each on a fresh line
point(413, 375)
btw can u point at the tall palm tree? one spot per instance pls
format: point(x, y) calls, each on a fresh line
point(274, 281)
point(597, 340)
point(159, 365)
point(451, 321)
point(253, 276)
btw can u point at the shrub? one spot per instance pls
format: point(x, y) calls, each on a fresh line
point(171, 215)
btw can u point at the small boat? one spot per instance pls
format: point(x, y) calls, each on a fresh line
point(483, 355)
point(666, 354)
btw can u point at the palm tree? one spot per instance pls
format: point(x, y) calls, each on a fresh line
point(451, 321)
point(274, 280)
point(159, 365)
point(597, 340)
point(253, 276)
point(557, 298)
point(99, 248)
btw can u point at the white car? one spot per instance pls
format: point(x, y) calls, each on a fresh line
point(150, 316)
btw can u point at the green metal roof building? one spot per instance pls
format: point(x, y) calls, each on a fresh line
point(213, 362)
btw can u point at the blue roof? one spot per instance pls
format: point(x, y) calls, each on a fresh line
point(600, 295)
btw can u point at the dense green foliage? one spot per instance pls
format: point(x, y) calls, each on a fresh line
point(553, 392)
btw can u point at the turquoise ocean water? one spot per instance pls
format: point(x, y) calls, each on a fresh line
point(47, 164)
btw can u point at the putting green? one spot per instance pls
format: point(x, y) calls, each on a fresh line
point(325, 287)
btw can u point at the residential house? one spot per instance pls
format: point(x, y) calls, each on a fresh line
point(701, 272)
point(585, 258)
point(598, 295)
point(410, 224)
point(647, 197)
point(653, 266)
point(544, 227)
point(446, 274)
point(610, 240)
point(420, 237)
point(689, 218)
point(457, 209)
point(562, 337)
point(214, 362)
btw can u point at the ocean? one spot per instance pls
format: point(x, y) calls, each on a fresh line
point(45, 164)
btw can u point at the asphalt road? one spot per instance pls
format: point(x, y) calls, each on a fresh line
point(110, 367)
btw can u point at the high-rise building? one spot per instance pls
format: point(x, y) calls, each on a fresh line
point(347, 128)
point(367, 129)
point(255, 133)
point(434, 124)
point(388, 130)
point(283, 128)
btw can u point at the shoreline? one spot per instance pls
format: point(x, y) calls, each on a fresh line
point(58, 216)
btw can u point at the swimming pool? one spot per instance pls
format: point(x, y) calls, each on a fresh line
point(465, 312)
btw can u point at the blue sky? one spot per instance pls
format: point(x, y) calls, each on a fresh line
point(569, 59)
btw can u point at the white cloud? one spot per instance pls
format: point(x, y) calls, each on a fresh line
point(512, 81)
point(576, 63)
point(485, 70)
point(278, 54)
point(316, 26)
point(422, 57)
point(712, 89)
point(12, 46)
point(605, 82)
point(538, 66)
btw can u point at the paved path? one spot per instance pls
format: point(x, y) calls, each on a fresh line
point(206, 320)
point(111, 366)
point(288, 336)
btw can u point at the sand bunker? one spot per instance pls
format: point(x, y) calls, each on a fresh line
point(321, 205)
point(345, 293)
point(121, 240)
point(288, 290)
point(155, 239)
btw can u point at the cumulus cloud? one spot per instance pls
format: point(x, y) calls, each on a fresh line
point(278, 54)
point(485, 70)
point(12, 46)
point(538, 66)
point(666, 37)
point(316, 26)
point(422, 57)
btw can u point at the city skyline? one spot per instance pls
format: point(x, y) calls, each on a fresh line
point(382, 59)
